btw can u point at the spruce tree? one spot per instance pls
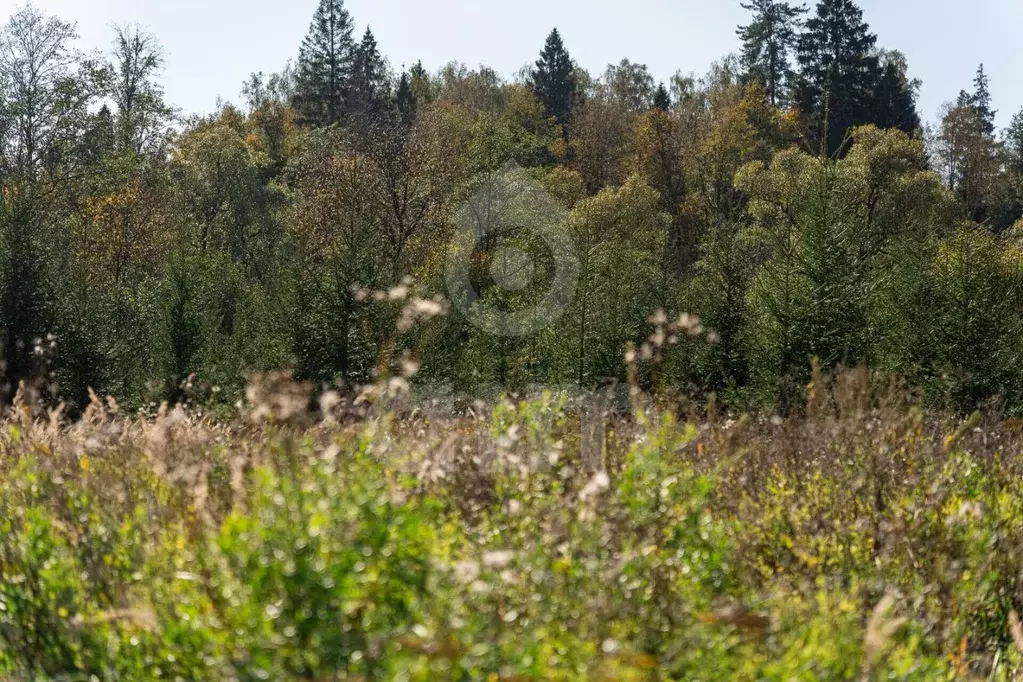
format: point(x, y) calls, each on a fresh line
point(419, 81)
point(894, 100)
point(980, 101)
point(1013, 141)
point(405, 99)
point(553, 79)
point(325, 65)
point(839, 72)
point(767, 42)
point(369, 90)
point(662, 100)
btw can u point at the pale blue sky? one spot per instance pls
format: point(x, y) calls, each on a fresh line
point(212, 45)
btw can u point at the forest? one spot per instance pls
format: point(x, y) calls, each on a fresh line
point(790, 199)
point(390, 374)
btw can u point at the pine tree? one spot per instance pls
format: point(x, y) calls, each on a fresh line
point(767, 42)
point(369, 91)
point(405, 99)
point(980, 101)
point(662, 100)
point(325, 65)
point(422, 86)
point(553, 79)
point(894, 100)
point(839, 72)
point(1014, 143)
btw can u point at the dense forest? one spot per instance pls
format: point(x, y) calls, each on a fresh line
point(787, 208)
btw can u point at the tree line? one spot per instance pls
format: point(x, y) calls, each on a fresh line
point(790, 199)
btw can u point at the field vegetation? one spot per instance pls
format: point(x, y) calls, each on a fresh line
point(537, 538)
point(449, 376)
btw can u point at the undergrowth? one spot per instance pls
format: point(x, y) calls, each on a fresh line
point(860, 539)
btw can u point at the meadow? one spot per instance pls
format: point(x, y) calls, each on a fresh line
point(329, 537)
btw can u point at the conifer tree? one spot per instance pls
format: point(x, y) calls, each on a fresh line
point(894, 99)
point(553, 79)
point(325, 65)
point(767, 42)
point(405, 99)
point(100, 136)
point(845, 82)
point(419, 81)
point(980, 101)
point(662, 100)
point(1013, 142)
point(369, 91)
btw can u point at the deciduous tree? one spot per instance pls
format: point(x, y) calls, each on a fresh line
point(142, 116)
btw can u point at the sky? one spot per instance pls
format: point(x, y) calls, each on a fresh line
point(213, 45)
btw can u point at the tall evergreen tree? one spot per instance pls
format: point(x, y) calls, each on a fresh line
point(370, 90)
point(405, 99)
point(980, 101)
point(100, 136)
point(767, 42)
point(838, 72)
point(553, 79)
point(894, 99)
point(662, 100)
point(1013, 143)
point(325, 65)
point(421, 84)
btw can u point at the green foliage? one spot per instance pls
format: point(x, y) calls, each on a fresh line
point(832, 227)
point(470, 548)
point(369, 93)
point(767, 43)
point(326, 65)
point(216, 327)
point(154, 262)
point(553, 79)
point(855, 537)
point(842, 83)
point(971, 329)
point(321, 573)
point(980, 101)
